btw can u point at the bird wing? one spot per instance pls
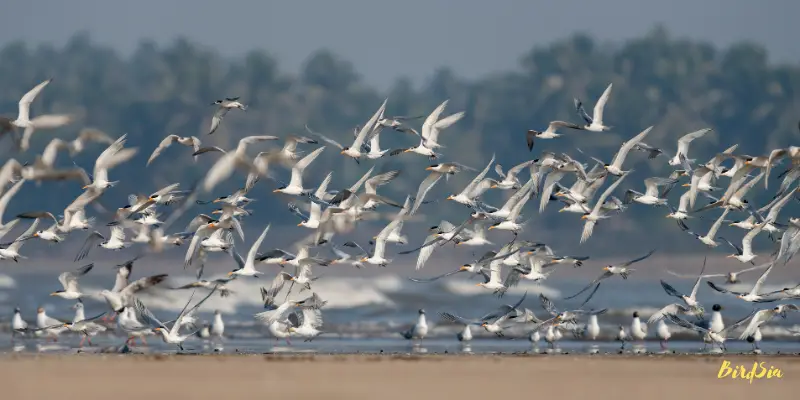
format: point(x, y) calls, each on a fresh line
point(217, 118)
point(27, 99)
point(176, 326)
point(362, 134)
point(458, 320)
point(424, 188)
point(581, 111)
point(69, 280)
point(601, 104)
point(606, 193)
point(371, 184)
point(671, 290)
point(697, 282)
point(714, 228)
point(325, 138)
point(722, 290)
point(548, 305)
point(467, 190)
point(142, 284)
point(685, 324)
point(673, 308)
point(90, 242)
point(683, 142)
point(146, 316)
point(761, 280)
point(635, 260)
point(251, 255)
point(161, 147)
point(759, 318)
point(300, 166)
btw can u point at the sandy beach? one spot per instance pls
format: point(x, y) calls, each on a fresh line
point(385, 377)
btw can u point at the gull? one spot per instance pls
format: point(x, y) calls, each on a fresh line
point(11, 192)
point(305, 324)
point(115, 242)
point(112, 156)
point(48, 326)
point(419, 329)
point(477, 237)
point(510, 223)
point(610, 270)
point(550, 132)
point(171, 336)
point(69, 280)
point(315, 209)
point(691, 302)
point(12, 251)
point(18, 325)
point(564, 316)
point(651, 195)
point(225, 105)
point(288, 153)
point(683, 145)
point(217, 328)
point(371, 185)
point(131, 323)
point(753, 296)
point(191, 141)
point(716, 337)
point(247, 266)
point(622, 336)
point(652, 151)
point(219, 284)
point(709, 238)
point(475, 188)
point(492, 322)
point(761, 317)
point(85, 326)
point(510, 179)
point(437, 172)
point(745, 253)
point(88, 135)
point(597, 213)
point(638, 329)
point(615, 168)
point(523, 194)
point(295, 186)
point(792, 152)
point(431, 128)
point(122, 298)
point(730, 277)
point(595, 122)
point(354, 151)
point(231, 160)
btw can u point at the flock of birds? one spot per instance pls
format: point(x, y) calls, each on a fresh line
point(335, 213)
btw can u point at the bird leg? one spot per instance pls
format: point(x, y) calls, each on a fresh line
point(81, 343)
point(663, 346)
point(288, 342)
point(88, 339)
point(144, 341)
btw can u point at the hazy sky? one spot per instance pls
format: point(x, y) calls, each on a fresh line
point(387, 39)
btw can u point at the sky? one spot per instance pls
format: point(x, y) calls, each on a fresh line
point(411, 38)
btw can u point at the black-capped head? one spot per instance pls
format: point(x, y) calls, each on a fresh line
point(635, 314)
point(751, 339)
point(422, 311)
point(16, 310)
point(716, 307)
point(216, 102)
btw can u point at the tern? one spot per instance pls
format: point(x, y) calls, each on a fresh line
point(171, 335)
point(69, 280)
point(683, 145)
point(225, 105)
point(190, 141)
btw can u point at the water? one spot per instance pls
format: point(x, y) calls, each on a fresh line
point(321, 345)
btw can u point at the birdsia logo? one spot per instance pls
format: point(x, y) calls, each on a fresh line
point(740, 372)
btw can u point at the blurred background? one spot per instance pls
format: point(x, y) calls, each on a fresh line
point(151, 68)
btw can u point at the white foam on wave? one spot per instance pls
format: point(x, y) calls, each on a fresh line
point(7, 282)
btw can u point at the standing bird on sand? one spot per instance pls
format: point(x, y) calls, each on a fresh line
point(217, 328)
point(419, 330)
point(663, 333)
point(224, 106)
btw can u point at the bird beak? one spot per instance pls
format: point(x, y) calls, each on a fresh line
point(686, 184)
point(730, 256)
point(300, 224)
point(605, 268)
point(406, 150)
point(36, 234)
point(65, 325)
point(276, 191)
point(363, 259)
point(583, 217)
point(429, 169)
point(85, 187)
point(748, 162)
point(211, 225)
point(341, 152)
point(477, 284)
point(230, 273)
point(561, 210)
point(494, 186)
point(53, 294)
point(730, 224)
point(463, 268)
point(491, 227)
point(449, 197)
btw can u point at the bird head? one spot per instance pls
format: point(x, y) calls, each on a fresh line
point(230, 273)
point(584, 216)
point(432, 167)
point(606, 268)
point(450, 197)
point(39, 310)
point(344, 150)
point(364, 259)
point(605, 166)
point(37, 233)
point(65, 325)
point(301, 224)
point(158, 329)
point(464, 267)
point(484, 325)
point(56, 293)
point(153, 197)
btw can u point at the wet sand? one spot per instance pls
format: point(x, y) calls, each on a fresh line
point(86, 376)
